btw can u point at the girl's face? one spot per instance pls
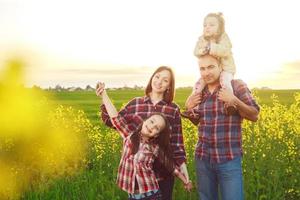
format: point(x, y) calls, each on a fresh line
point(153, 126)
point(161, 81)
point(210, 27)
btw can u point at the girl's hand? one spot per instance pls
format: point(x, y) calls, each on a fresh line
point(188, 186)
point(203, 51)
point(100, 88)
point(213, 40)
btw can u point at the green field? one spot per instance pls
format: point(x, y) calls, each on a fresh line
point(89, 102)
point(271, 150)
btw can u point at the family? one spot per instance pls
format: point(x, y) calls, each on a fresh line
point(153, 149)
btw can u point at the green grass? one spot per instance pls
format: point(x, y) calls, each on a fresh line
point(89, 102)
point(269, 170)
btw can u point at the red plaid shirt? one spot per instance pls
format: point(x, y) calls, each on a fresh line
point(137, 167)
point(220, 135)
point(141, 108)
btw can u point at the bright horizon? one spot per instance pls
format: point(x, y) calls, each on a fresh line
point(77, 43)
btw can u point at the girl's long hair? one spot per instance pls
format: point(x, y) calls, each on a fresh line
point(169, 93)
point(165, 154)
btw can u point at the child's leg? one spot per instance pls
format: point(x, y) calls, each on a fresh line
point(225, 80)
point(190, 114)
point(199, 86)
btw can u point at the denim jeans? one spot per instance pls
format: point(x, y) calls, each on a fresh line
point(226, 177)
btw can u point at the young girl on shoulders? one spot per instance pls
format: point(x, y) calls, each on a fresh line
point(215, 41)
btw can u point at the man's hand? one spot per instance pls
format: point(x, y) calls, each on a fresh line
point(227, 96)
point(193, 100)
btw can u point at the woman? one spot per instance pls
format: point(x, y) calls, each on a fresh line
point(159, 95)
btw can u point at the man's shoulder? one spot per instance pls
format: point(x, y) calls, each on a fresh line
point(239, 85)
point(238, 82)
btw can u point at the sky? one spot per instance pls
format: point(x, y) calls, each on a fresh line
point(121, 42)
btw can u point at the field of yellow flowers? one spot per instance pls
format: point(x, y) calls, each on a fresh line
point(270, 163)
point(50, 150)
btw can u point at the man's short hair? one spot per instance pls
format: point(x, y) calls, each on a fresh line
point(216, 58)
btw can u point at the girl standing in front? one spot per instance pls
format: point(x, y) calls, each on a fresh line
point(149, 140)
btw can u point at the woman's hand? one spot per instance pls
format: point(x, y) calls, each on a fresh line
point(100, 88)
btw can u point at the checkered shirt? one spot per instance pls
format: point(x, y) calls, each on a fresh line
point(220, 135)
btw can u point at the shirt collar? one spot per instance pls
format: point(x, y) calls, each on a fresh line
point(147, 99)
point(206, 91)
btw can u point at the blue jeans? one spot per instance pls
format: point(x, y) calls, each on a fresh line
point(226, 177)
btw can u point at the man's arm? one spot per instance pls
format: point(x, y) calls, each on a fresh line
point(245, 103)
point(246, 111)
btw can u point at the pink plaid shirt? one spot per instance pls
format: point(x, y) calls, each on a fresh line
point(139, 109)
point(220, 135)
point(137, 167)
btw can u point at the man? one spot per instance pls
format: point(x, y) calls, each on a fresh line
point(219, 151)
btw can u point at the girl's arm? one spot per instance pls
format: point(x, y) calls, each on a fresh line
point(180, 176)
point(118, 121)
point(201, 47)
point(187, 183)
point(110, 108)
point(222, 48)
point(183, 168)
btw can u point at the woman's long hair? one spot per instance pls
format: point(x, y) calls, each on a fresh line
point(165, 154)
point(169, 93)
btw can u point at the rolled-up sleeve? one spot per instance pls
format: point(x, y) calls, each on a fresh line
point(123, 113)
point(177, 139)
point(120, 124)
point(244, 94)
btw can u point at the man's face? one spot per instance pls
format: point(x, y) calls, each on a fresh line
point(209, 69)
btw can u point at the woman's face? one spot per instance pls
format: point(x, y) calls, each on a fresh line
point(210, 27)
point(161, 81)
point(153, 126)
